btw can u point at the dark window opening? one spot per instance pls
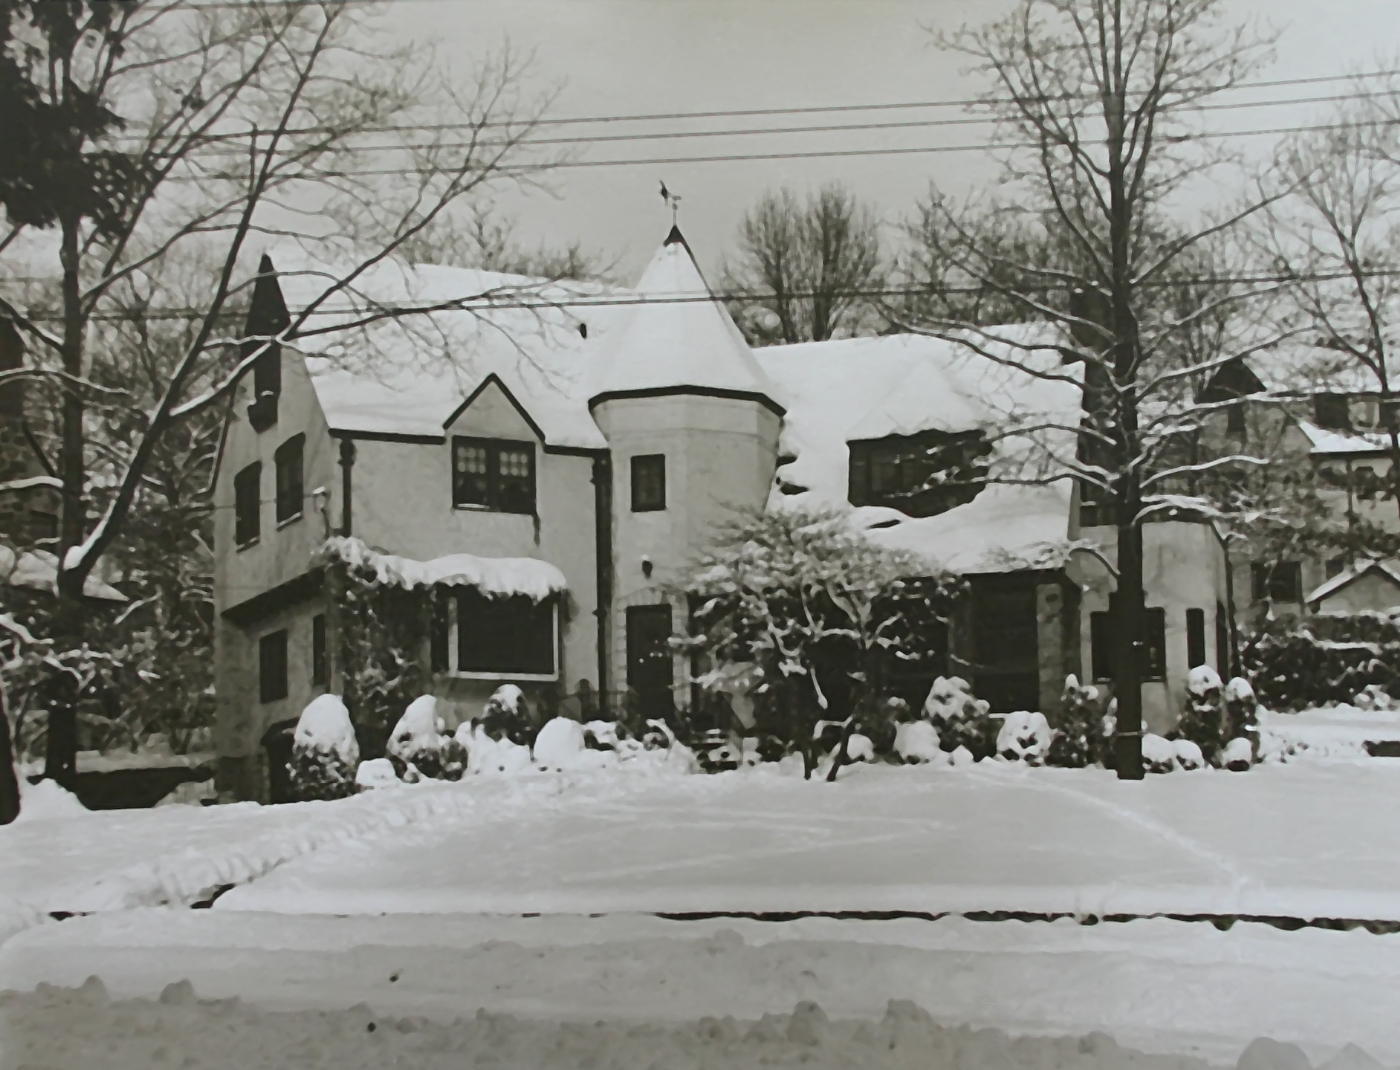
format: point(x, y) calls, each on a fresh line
point(1195, 637)
point(247, 505)
point(491, 474)
point(1281, 581)
point(921, 475)
point(289, 478)
point(649, 483)
point(650, 664)
point(1006, 645)
point(1103, 641)
point(504, 635)
point(272, 666)
point(1366, 482)
point(318, 650)
point(1332, 412)
point(439, 642)
point(1234, 418)
point(1224, 661)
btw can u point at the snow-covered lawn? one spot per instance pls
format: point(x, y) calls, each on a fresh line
point(1311, 840)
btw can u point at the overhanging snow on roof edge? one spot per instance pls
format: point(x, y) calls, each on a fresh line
point(495, 577)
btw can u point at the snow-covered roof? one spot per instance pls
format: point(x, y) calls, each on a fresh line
point(838, 392)
point(495, 577)
point(409, 375)
point(38, 571)
point(678, 335)
point(1345, 578)
point(1327, 443)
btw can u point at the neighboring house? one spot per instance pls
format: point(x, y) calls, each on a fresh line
point(1309, 406)
point(556, 466)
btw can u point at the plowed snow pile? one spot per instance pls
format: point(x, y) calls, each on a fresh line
point(57, 1028)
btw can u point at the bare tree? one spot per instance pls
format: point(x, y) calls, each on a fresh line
point(1338, 234)
point(488, 241)
point(1102, 99)
point(231, 127)
point(815, 266)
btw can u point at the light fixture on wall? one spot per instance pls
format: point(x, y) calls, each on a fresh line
point(646, 566)
point(321, 499)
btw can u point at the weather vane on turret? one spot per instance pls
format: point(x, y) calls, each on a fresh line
point(672, 199)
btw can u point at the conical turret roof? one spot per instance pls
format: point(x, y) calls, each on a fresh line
point(680, 339)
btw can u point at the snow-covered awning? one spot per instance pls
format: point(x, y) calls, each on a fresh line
point(495, 577)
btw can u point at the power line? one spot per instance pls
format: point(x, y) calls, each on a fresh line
point(742, 157)
point(905, 124)
point(484, 304)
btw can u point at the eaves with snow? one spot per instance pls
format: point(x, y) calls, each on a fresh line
point(561, 348)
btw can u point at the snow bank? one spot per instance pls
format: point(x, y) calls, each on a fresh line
point(324, 726)
point(377, 773)
point(492, 576)
point(46, 801)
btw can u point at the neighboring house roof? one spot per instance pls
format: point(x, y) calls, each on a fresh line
point(685, 339)
point(38, 570)
point(1347, 577)
point(1327, 443)
point(1295, 368)
point(838, 392)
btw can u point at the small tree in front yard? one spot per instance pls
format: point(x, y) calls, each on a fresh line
point(816, 609)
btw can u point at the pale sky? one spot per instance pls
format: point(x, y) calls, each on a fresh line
point(621, 57)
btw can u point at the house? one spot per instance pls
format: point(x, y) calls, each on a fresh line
point(1311, 406)
point(553, 455)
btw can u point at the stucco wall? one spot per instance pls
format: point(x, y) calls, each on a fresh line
point(1183, 568)
point(279, 555)
point(402, 503)
point(720, 457)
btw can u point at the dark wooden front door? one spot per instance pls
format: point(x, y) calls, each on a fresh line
point(650, 668)
point(1006, 643)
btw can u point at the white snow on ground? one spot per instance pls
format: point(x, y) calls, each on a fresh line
point(1156, 985)
point(1339, 732)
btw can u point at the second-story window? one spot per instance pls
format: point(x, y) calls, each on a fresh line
point(289, 479)
point(247, 505)
point(1332, 412)
point(493, 474)
point(649, 483)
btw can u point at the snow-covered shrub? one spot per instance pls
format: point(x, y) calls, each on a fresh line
point(1242, 713)
point(506, 715)
point(817, 610)
point(1203, 721)
point(1373, 697)
point(324, 751)
point(859, 748)
point(917, 741)
point(962, 720)
point(961, 757)
point(1078, 723)
point(417, 746)
point(376, 773)
point(488, 755)
point(1325, 658)
point(1158, 753)
point(1188, 754)
point(1238, 755)
point(559, 743)
point(1024, 737)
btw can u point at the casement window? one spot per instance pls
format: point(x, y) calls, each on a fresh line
point(1195, 637)
point(319, 668)
point(272, 666)
point(493, 474)
point(247, 505)
point(1331, 411)
point(495, 637)
point(1103, 641)
point(1278, 581)
point(921, 475)
point(288, 462)
point(649, 483)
